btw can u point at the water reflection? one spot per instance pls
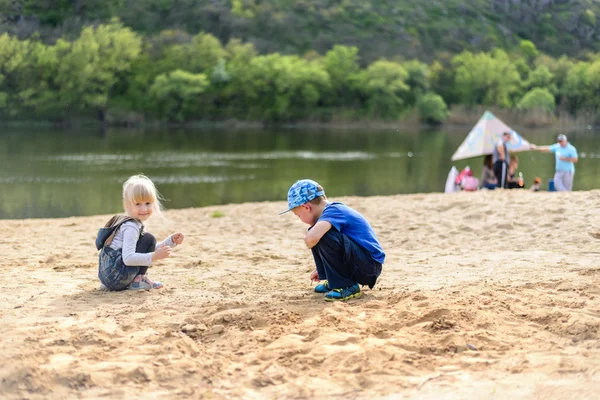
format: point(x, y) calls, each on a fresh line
point(49, 173)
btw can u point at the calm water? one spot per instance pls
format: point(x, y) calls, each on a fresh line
point(53, 173)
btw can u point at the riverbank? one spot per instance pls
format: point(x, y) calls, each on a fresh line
point(460, 117)
point(494, 293)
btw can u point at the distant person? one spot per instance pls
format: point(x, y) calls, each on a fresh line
point(566, 157)
point(514, 181)
point(126, 251)
point(537, 182)
point(488, 178)
point(500, 156)
point(466, 181)
point(344, 246)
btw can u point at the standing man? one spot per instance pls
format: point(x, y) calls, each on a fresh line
point(501, 160)
point(566, 157)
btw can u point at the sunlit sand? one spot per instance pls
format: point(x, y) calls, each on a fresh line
point(483, 295)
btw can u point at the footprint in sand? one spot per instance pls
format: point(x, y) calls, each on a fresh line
point(595, 235)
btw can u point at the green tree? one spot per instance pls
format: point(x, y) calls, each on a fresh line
point(57, 12)
point(528, 50)
point(98, 60)
point(279, 88)
point(236, 93)
point(442, 78)
point(541, 77)
point(155, 59)
point(201, 54)
point(176, 92)
point(419, 79)
point(13, 56)
point(575, 88)
point(486, 78)
point(341, 63)
point(559, 68)
point(385, 88)
point(40, 92)
point(592, 80)
point(432, 108)
point(537, 98)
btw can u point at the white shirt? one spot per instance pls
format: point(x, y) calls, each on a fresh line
point(127, 237)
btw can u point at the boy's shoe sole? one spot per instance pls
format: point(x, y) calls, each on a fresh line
point(352, 296)
point(343, 294)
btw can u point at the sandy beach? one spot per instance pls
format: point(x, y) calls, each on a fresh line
point(486, 295)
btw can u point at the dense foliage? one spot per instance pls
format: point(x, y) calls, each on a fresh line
point(182, 60)
point(382, 28)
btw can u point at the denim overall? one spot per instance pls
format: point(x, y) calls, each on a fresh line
point(112, 272)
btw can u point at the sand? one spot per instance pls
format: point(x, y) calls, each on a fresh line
point(483, 295)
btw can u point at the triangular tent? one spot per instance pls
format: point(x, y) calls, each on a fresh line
point(482, 138)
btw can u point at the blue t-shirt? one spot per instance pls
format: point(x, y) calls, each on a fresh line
point(567, 151)
point(352, 224)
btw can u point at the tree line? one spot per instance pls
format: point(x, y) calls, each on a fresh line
point(379, 28)
point(111, 73)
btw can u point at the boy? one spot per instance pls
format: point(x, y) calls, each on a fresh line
point(344, 246)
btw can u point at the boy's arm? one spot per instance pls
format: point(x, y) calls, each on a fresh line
point(316, 233)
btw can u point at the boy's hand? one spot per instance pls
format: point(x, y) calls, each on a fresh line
point(177, 238)
point(314, 276)
point(162, 252)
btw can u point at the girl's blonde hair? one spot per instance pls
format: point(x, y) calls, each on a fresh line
point(139, 188)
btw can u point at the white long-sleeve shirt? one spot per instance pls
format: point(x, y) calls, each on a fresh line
point(127, 237)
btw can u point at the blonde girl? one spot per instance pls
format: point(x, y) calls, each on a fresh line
point(126, 251)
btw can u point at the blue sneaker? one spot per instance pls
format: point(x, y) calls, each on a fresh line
point(351, 292)
point(154, 284)
point(139, 284)
point(322, 287)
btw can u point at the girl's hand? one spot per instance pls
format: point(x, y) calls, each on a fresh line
point(162, 252)
point(314, 276)
point(177, 238)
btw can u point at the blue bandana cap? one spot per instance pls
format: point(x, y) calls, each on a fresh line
point(302, 192)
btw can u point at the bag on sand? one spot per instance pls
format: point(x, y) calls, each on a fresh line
point(469, 183)
point(451, 186)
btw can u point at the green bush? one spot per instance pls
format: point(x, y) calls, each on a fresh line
point(175, 93)
point(432, 108)
point(537, 98)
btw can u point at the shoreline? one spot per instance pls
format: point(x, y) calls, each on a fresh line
point(460, 117)
point(495, 293)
